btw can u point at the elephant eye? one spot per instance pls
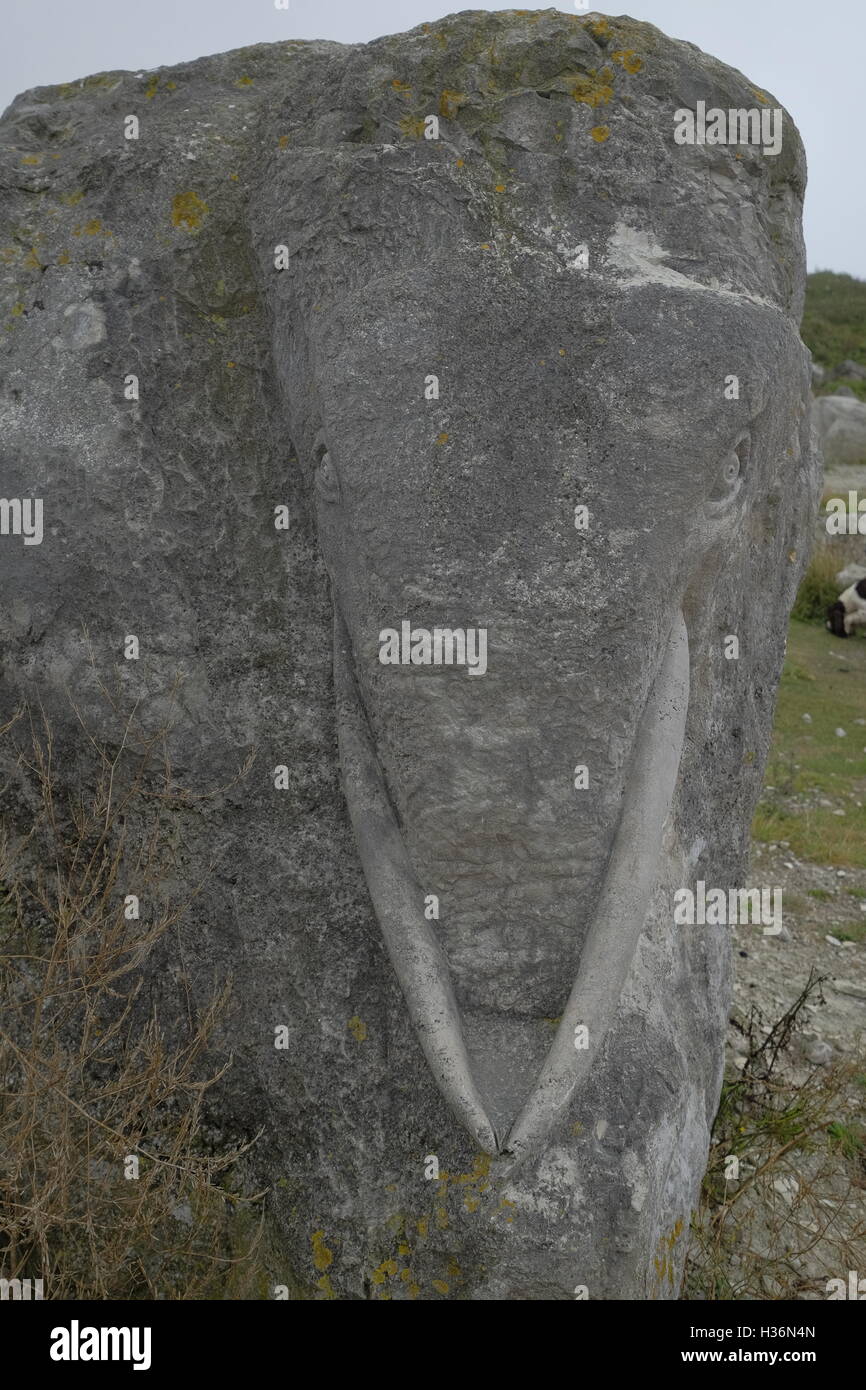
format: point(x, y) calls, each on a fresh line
point(730, 475)
point(327, 482)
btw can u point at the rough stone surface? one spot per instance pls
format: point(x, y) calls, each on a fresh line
point(560, 384)
point(840, 420)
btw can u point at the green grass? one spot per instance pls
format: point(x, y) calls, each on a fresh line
point(834, 322)
point(809, 761)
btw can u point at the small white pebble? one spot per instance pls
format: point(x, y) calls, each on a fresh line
point(833, 940)
point(840, 733)
point(807, 719)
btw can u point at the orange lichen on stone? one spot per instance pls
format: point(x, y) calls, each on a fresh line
point(450, 103)
point(188, 210)
point(412, 126)
point(628, 58)
point(594, 89)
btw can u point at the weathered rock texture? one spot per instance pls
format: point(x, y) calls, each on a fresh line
point(841, 426)
point(561, 383)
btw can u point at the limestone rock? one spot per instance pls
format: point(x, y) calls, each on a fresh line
point(538, 375)
point(841, 424)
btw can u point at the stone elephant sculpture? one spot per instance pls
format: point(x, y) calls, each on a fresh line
point(525, 375)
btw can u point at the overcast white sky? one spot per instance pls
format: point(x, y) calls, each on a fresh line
point(809, 55)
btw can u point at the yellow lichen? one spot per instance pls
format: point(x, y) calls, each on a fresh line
point(413, 126)
point(283, 141)
point(322, 1256)
point(480, 1169)
point(244, 81)
point(187, 210)
point(422, 1225)
point(442, 438)
point(31, 159)
point(439, 1285)
point(594, 89)
point(387, 1269)
point(450, 103)
point(357, 1028)
point(150, 89)
point(600, 133)
point(628, 58)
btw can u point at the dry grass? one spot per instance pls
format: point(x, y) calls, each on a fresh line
point(89, 1083)
point(794, 1216)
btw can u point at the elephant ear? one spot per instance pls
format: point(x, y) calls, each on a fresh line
point(146, 415)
